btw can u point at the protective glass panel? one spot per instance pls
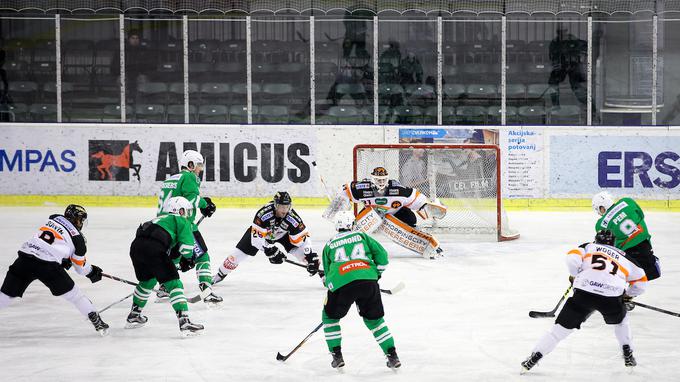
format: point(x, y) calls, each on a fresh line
point(90, 65)
point(28, 71)
point(344, 69)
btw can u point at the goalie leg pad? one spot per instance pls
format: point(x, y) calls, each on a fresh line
point(367, 221)
point(409, 237)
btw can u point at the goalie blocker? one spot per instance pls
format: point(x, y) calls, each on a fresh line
point(426, 245)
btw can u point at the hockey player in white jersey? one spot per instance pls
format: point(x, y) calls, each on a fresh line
point(601, 274)
point(389, 206)
point(278, 231)
point(56, 246)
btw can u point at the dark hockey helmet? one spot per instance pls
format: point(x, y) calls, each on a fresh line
point(282, 203)
point(605, 237)
point(76, 214)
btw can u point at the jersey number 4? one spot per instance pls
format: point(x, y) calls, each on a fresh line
point(358, 253)
point(599, 263)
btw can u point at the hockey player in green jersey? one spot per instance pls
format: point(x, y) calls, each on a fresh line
point(627, 221)
point(187, 184)
point(149, 253)
point(353, 263)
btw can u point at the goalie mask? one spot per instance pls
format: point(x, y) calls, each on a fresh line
point(191, 159)
point(604, 200)
point(380, 180)
point(282, 204)
point(77, 215)
point(344, 221)
point(179, 206)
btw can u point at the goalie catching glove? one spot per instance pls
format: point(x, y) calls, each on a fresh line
point(275, 255)
point(432, 210)
point(209, 209)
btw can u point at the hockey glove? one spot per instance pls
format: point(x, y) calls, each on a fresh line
point(210, 209)
point(66, 264)
point(627, 298)
point(186, 263)
point(95, 274)
point(312, 263)
point(274, 255)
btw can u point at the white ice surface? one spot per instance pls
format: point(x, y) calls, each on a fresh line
point(461, 318)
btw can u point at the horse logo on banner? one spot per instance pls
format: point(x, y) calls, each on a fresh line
point(112, 160)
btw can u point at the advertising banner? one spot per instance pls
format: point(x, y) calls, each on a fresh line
point(134, 160)
point(635, 165)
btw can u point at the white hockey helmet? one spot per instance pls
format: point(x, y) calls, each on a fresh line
point(178, 205)
point(603, 199)
point(380, 178)
point(344, 221)
point(191, 157)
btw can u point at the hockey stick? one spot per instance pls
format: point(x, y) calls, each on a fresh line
point(325, 188)
point(397, 288)
point(535, 314)
point(656, 309)
point(119, 279)
point(283, 358)
point(115, 303)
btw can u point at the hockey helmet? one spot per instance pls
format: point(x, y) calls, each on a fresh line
point(379, 175)
point(190, 159)
point(344, 221)
point(77, 215)
point(605, 237)
point(604, 200)
point(282, 203)
point(179, 206)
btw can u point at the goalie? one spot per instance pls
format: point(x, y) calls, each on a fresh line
point(389, 206)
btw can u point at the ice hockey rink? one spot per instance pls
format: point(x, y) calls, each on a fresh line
point(460, 318)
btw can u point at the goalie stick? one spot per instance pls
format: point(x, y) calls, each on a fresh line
point(536, 314)
point(283, 358)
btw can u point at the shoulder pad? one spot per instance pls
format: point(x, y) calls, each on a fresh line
point(394, 183)
point(72, 230)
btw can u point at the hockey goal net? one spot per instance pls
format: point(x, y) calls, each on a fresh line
point(464, 178)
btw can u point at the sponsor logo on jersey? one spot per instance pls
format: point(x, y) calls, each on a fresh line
point(393, 191)
point(292, 221)
point(267, 216)
point(353, 265)
point(396, 204)
point(113, 160)
point(381, 201)
point(362, 186)
point(367, 194)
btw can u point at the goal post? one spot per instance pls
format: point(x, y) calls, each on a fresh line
point(465, 178)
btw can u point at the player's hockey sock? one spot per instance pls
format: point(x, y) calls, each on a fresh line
point(550, 339)
point(203, 269)
point(622, 331)
point(231, 262)
point(381, 333)
point(143, 291)
point(77, 298)
point(331, 329)
point(177, 298)
point(4, 300)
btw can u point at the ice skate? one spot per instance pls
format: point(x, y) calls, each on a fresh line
point(100, 326)
point(392, 358)
point(207, 294)
point(186, 327)
point(628, 358)
point(135, 319)
point(338, 362)
point(530, 362)
point(162, 294)
point(218, 277)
